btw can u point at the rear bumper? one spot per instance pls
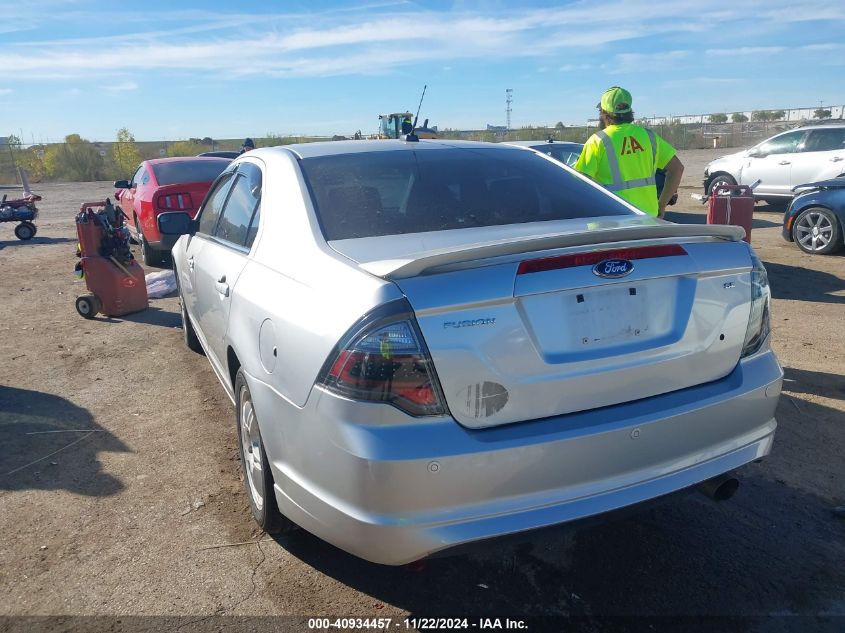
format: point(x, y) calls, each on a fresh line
point(394, 493)
point(164, 243)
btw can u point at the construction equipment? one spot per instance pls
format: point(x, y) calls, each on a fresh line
point(390, 126)
point(404, 124)
point(115, 280)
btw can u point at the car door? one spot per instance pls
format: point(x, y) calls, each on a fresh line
point(218, 262)
point(129, 198)
point(821, 156)
point(207, 218)
point(771, 164)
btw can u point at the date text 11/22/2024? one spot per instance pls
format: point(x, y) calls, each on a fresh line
point(416, 624)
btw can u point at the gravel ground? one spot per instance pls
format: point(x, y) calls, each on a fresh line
point(123, 519)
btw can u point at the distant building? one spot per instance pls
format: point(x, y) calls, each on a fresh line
point(498, 129)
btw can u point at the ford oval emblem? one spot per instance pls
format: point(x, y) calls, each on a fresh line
point(613, 268)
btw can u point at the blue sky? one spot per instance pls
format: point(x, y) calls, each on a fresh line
point(172, 70)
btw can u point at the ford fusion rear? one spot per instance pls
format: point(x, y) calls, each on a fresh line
point(447, 342)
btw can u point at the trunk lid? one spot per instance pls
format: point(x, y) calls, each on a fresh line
point(521, 327)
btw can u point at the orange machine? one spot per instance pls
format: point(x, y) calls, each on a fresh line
point(732, 204)
point(113, 277)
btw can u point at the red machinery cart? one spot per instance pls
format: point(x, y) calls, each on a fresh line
point(113, 277)
point(732, 204)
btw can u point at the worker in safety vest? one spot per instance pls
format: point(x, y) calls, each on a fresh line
point(623, 157)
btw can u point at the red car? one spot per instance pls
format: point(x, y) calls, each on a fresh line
point(159, 186)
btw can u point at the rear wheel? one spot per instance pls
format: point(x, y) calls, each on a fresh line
point(817, 231)
point(719, 179)
point(149, 255)
point(88, 306)
point(256, 468)
point(25, 230)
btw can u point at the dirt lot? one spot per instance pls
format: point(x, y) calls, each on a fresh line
point(119, 475)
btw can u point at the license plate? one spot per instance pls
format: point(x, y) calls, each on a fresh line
point(609, 315)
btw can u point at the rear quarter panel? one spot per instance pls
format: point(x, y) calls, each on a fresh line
point(296, 294)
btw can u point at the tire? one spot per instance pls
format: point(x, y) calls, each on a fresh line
point(149, 256)
point(817, 231)
point(188, 333)
point(719, 179)
point(88, 306)
point(25, 230)
point(258, 478)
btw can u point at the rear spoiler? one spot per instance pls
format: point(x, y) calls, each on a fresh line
point(413, 266)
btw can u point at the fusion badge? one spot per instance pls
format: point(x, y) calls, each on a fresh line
point(613, 268)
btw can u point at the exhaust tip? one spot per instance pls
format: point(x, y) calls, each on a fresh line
point(719, 488)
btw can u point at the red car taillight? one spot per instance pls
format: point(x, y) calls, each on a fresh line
point(385, 360)
point(175, 202)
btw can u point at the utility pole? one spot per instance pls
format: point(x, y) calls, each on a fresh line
point(508, 102)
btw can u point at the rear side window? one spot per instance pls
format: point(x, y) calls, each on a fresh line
point(214, 204)
point(189, 171)
point(825, 140)
point(237, 214)
point(396, 192)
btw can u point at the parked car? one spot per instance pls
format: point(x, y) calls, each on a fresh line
point(807, 154)
point(440, 342)
point(568, 153)
point(160, 185)
point(816, 217)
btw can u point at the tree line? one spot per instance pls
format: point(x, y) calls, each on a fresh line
point(765, 116)
point(79, 159)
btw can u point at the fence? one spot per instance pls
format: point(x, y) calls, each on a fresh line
point(96, 160)
point(681, 136)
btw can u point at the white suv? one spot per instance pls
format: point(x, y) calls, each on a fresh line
point(807, 154)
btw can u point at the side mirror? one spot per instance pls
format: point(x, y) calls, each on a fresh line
point(121, 184)
point(175, 223)
point(756, 152)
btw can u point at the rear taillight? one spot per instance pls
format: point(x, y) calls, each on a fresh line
point(175, 202)
point(384, 359)
point(758, 319)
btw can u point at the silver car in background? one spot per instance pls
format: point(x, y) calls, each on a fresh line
point(804, 155)
point(431, 343)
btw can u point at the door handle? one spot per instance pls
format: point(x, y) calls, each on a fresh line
point(222, 287)
point(836, 159)
point(191, 264)
point(784, 162)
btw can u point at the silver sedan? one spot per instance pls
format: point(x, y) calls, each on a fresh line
point(431, 343)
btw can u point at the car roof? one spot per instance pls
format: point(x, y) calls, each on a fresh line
point(334, 148)
point(816, 126)
point(541, 143)
point(183, 159)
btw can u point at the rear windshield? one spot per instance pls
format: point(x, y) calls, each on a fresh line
point(396, 192)
point(189, 171)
